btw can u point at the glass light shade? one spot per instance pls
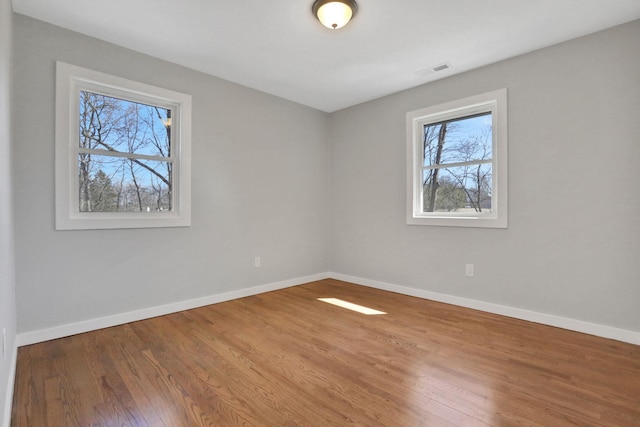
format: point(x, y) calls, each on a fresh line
point(334, 14)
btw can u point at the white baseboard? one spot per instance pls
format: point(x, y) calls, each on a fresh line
point(623, 335)
point(603, 331)
point(32, 337)
point(6, 419)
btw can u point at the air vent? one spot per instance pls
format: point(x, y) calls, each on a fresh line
point(441, 67)
point(434, 69)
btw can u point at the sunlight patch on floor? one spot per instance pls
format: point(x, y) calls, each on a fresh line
point(350, 306)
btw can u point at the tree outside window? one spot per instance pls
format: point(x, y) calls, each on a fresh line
point(458, 164)
point(123, 155)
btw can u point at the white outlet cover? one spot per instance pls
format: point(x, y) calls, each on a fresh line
point(469, 270)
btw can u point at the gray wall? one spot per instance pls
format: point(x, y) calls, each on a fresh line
point(259, 188)
point(573, 244)
point(311, 192)
point(7, 275)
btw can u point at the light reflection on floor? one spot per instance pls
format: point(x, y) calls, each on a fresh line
point(351, 306)
point(432, 393)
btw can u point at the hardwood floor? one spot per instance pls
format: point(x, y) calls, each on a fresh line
point(286, 359)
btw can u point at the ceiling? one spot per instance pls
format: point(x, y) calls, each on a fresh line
point(278, 47)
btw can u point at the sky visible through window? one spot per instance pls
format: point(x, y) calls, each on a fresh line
point(457, 161)
point(122, 150)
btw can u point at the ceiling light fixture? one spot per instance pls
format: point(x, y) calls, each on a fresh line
point(334, 14)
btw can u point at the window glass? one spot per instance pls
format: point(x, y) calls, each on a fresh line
point(458, 164)
point(122, 147)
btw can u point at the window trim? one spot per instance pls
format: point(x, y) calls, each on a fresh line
point(494, 102)
point(70, 80)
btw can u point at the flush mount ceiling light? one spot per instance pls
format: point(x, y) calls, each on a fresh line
point(334, 14)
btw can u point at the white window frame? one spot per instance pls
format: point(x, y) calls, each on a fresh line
point(494, 102)
point(70, 80)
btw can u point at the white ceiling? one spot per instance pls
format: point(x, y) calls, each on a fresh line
point(278, 47)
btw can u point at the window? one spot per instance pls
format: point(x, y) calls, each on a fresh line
point(122, 153)
point(457, 163)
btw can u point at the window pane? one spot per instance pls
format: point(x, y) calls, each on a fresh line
point(458, 141)
point(457, 189)
point(120, 184)
point(114, 124)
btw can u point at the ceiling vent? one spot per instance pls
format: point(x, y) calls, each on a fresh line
point(434, 69)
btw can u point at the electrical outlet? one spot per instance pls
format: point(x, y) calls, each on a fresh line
point(469, 270)
point(257, 262)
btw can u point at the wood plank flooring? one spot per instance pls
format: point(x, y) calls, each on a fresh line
point(286, 359)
